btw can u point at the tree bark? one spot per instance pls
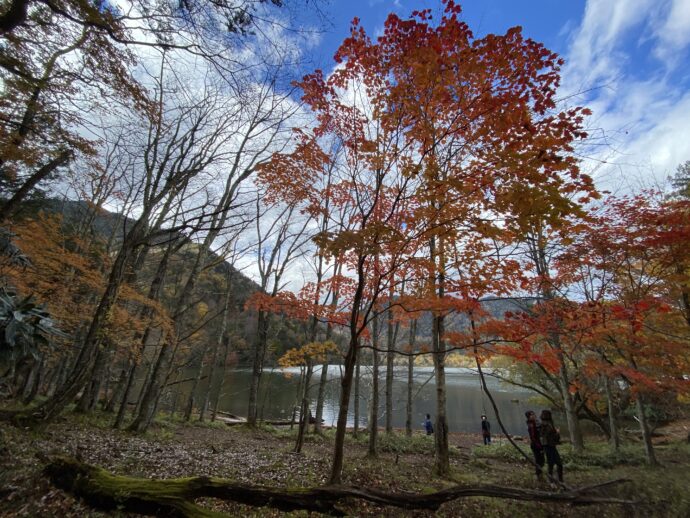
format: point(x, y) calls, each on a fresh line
point(118, 391)
point(390, 353)
point(410, 379)
point(257, 367)
point(346, 383)
point(34, 381)
point(374, 400)
point(323, 379)
point(155, 386)
point(216, 347)
point(355, 430)
point(191, 399)
point(646, 432)
point(613, 428)
point(304, 409)
point(11, 205)
point(216, 398)
point(175, 497)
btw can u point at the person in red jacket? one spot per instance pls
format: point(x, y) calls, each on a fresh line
point(535, 442)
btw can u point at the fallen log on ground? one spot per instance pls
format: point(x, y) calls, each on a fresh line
point(175, 497)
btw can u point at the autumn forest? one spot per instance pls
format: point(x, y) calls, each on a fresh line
point(184, 196)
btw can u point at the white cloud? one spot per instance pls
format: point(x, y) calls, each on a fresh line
point(674, 32)
point(640, 107)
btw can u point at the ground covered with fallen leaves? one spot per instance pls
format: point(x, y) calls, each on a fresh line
point(264, 457)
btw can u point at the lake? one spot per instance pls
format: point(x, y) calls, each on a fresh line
point(465, 399)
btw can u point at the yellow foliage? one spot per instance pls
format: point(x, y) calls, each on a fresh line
point(308, 353)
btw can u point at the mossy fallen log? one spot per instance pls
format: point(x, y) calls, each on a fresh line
point(175, 497)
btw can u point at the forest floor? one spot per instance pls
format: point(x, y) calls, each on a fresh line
point(263, 456)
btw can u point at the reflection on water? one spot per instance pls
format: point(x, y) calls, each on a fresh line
point(465, 399)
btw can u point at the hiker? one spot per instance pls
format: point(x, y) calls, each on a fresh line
point(428, 426)
point(550, 438)
point(533, 428)
point(486, 430)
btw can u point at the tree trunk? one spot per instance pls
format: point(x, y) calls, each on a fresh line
point(197, 378)
point(34, 381)
point(341, 426)
point(304, 409)
point(126, 392)
point(323, 379)
point(11, 205)
point(569, 407)
point(374, 400)
point(89, 396)
point(646, 432)
point(613, 427)
point(257, 367)
point(410, 379)
point(358, 366)
point(442, 460)
point(57, 378)
point(346, 383)
point(118, 391)
point(298, 399)
point(216, 348)
point(390, 353)
point(153, 390)
point(221, 384)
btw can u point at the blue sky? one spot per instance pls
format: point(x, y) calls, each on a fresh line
point(625, 59)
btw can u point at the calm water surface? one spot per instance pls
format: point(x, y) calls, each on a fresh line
point(466, 401)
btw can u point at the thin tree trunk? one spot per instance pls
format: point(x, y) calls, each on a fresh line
point(323, 379)
point(223, 368)
point(197, 378)
point(34, 381)
point(304, 409)
point(613, 427)
point(90, 394)
point(216, 347)
point(390, 353)
point(442, 461)
point(257, 367)
point(569, 406)
point(346, 383)
point(646, 432)
point(153, 390)
point(124, 398)
point(410, 379)
point(374, 401)
point(117, 391)
point(11, 205)
point(358, 366)
point(57, 378)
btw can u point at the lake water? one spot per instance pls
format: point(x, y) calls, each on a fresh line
point(465, 399)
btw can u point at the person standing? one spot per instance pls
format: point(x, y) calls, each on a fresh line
point(535, 441)
point(428, 426)
point(486, 430)
point(550, 438)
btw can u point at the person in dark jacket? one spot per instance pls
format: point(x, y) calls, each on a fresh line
point(533, 428)
point(428, 426)
point(550, 438)
point(486, 430)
